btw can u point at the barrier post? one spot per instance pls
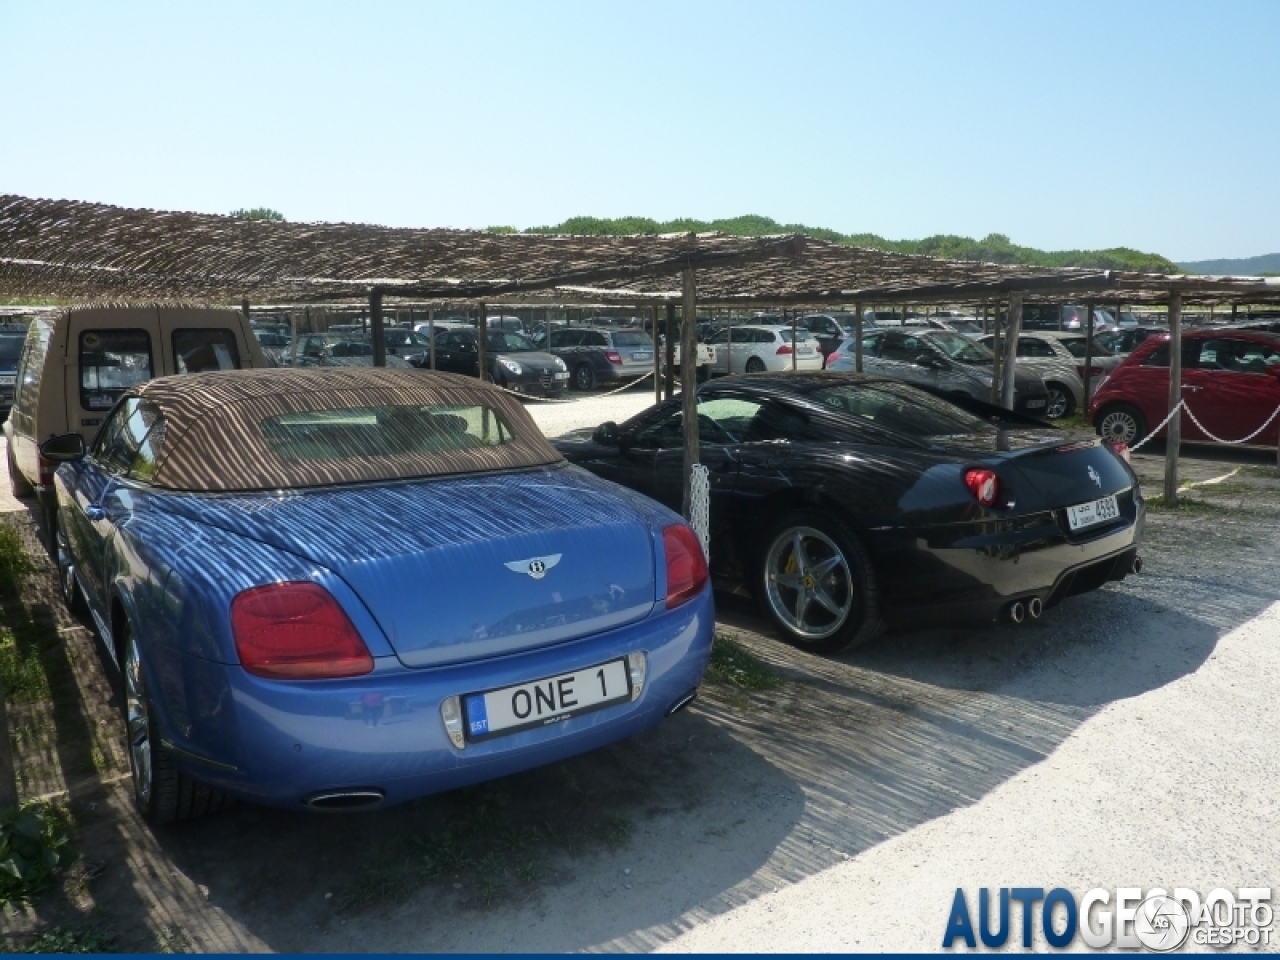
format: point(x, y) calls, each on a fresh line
point(1173, 438)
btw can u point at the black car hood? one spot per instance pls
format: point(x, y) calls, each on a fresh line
point(540, 362)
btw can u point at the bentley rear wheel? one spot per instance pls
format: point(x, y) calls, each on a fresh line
point(161, 792)
point(816, 583)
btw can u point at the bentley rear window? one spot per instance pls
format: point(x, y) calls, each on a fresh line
point(384, 431)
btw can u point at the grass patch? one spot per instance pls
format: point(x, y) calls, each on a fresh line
point(1077, 421)
point(67, 940)
point(33, 849)
point(15, 565)
point(734, 666)
point(1187, 506)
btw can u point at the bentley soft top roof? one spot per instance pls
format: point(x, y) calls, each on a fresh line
point(243, 430)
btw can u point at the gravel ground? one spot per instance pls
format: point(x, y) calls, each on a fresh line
point(589, 411)
point(1125, 738)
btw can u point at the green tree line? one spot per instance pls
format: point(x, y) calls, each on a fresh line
point(994, 248)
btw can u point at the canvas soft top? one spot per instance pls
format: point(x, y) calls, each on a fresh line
point(214, 439)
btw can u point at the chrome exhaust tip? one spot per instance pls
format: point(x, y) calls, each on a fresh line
point(1017, 611)
point(1035, 607)
point(1136, 566)
point(682, 702)
point(338, 801)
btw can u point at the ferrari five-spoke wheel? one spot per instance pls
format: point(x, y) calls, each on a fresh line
point(1061, 402)
point(817, 583)
point(71, 595)
point(161, 792)
point(755, 365)
point(584, 377)
point(1122, 424)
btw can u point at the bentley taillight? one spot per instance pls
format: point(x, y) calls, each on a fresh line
point(296, 631)
point(686, 566)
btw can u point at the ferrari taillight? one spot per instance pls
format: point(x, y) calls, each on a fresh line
point(984, 485)
point(686, 566)
point(296, 631)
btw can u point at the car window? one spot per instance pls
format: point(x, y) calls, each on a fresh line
point(1034, 347)
point(566, 338)
point(503, 341)
point(201, 350)
point(900, 347)
point(720, 336)
point(112, 361)
point(117, 447)
point(1237, 356)
point(11, 348)
point(960, 348)
point(594, 338)
point(900, 408)
point(1076, 347)
point(383, 431)
point(631, 339)
point(871, 346)
point(1190, 355)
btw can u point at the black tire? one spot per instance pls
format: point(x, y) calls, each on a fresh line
point(584, 378)
point(1121, 423)
point(19, 486)
point(71, 594)
point(851, 584)
point(161, 793)
point(755, 365)
point(1061, 399)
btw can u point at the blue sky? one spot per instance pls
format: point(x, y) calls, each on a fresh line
point(1076, 124)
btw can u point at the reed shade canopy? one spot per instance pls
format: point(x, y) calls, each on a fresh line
point(828, 273)
point(90, 251)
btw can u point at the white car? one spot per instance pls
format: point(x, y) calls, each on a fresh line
point(763, 347)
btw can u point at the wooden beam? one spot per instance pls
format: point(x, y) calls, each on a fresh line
point(1173, 437)
point(996, 349)
point(1009, 383)
point(482, 370)
point(689, 383)
point(377, 333)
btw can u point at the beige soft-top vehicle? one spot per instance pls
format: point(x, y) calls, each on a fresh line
point(76, 363)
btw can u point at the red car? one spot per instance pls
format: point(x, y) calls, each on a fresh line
point(1230, 381)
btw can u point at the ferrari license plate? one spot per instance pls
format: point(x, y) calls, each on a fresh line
point(1089, 514)
point(541, 702)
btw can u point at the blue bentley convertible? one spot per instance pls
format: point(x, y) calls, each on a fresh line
point(345, 588)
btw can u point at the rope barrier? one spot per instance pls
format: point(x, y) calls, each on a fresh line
point(700, 506)
point(1182, 405)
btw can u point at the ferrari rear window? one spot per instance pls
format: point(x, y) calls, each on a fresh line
point(900, 408)
point(384, 432)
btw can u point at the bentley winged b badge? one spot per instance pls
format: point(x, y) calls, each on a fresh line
point(535, 567)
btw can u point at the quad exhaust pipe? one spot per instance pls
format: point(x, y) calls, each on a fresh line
point(1022, 610)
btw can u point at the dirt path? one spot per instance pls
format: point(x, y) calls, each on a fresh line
point(861, 783)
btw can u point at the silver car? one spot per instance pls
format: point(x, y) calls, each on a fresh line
point(1069, 348)
point(1042, 353)
point(630, 352)
point(939, 360)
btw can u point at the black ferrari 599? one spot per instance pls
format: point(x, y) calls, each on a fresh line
point(843, 501)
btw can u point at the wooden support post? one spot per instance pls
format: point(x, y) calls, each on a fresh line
point(728, 346)
point(857, 337)
point(657, 357)
point(986, 320)
point(670, 387)
point(1009, 375)
point(293, 336)
point(793, 341)
point(482, 361)
point(1233, 312)
point(1173, 436)
point(244, 307)
point(431, 335)
point(997, 350)
point(689, 384)
point(1088, 357)
point(379, 335)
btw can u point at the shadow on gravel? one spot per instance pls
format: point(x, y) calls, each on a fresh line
point(629, 846)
